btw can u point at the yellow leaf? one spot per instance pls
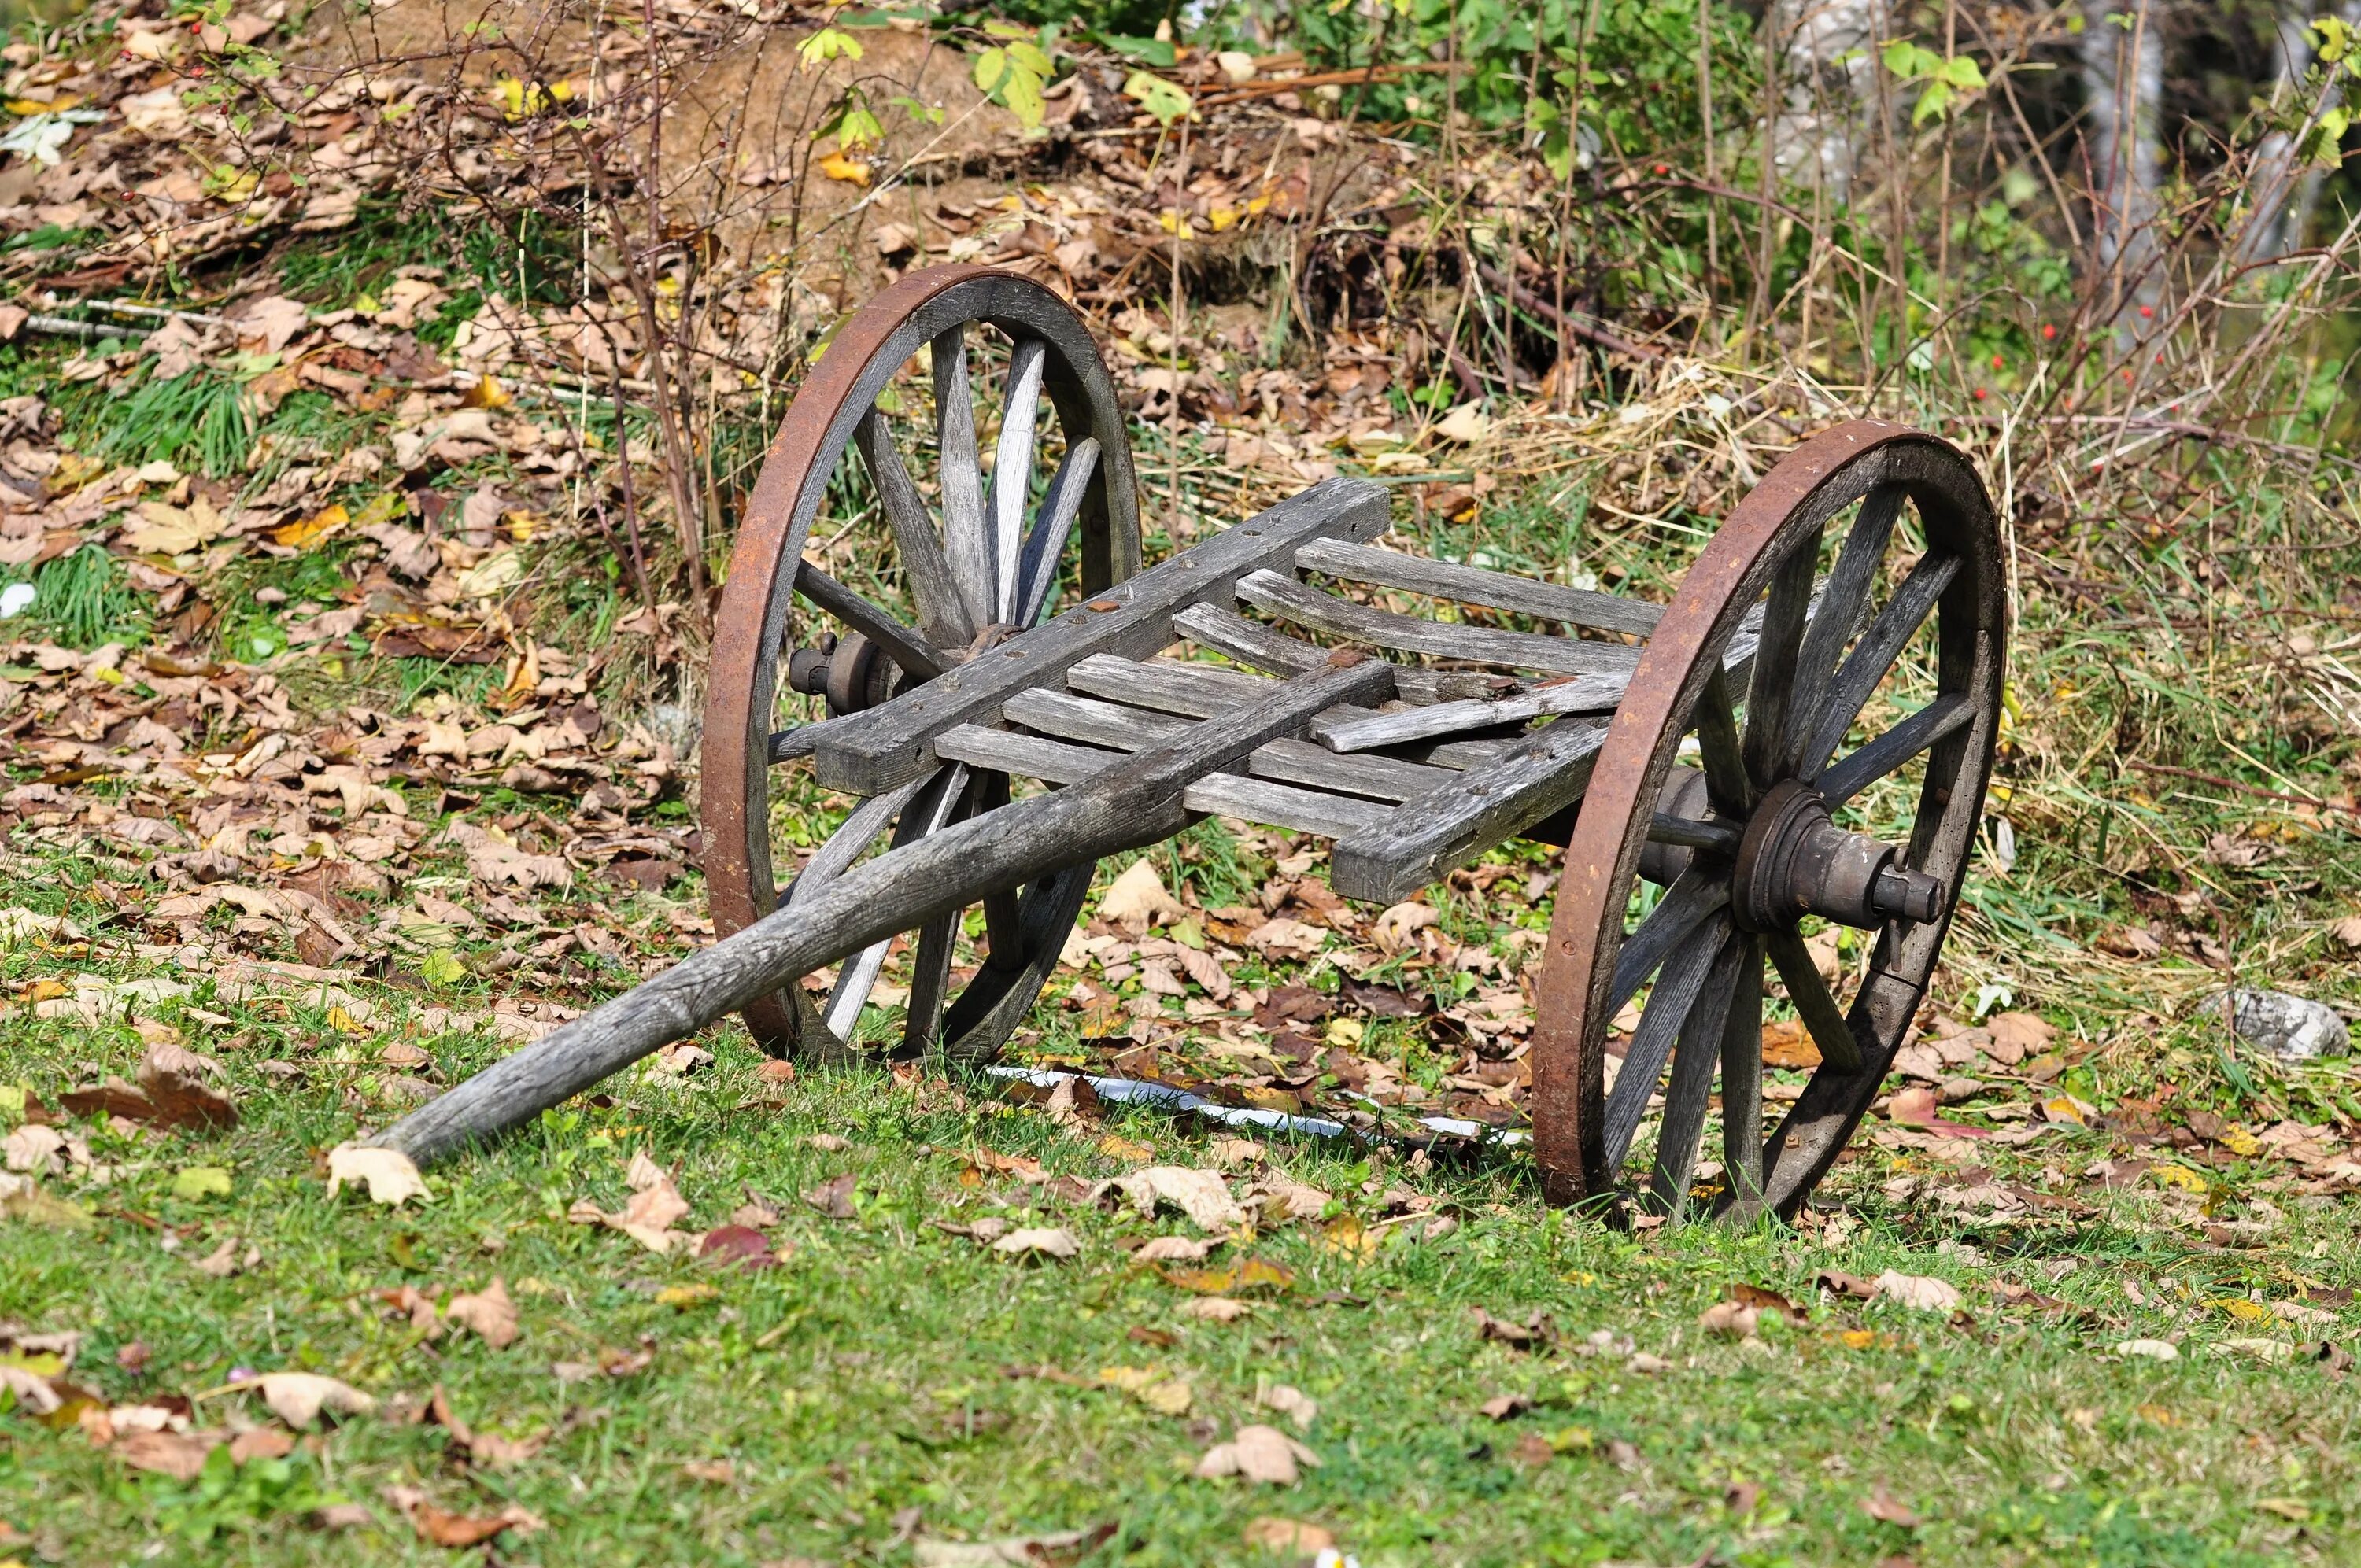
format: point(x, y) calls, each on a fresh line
point(1858, 1339)
point(1166, 1396)
point(1174, 222)
point(2242, 1143)
point(1345, 1236)
point(2179, 1175)
point(852, 171)
point(1124, 1149)
point(1346, 1032)
point(2245, 1311)
point(683, 1297)
point(1222, 218)
point(305, 533)
point(487, 393)
point(2066, 1108)
point(344, 1022)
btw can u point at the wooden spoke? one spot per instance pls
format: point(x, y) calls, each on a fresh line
point(1843, 604)
point(942, 614)
point(1874, 655)
point(1838, 1050)
point(860, 828)
point(901, 644)
point(1037, 570)
point(1741, 1079)
point(930, 980)
point(1694, 1059)
point(1727, 786)
point(1773, 689)
point(1012, 471)
point(1669, 1004)
point(1686, 902)
point(932, 807)
point(967, 542)
point(1882, 756)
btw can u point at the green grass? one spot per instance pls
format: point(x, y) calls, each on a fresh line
point(886, 1367)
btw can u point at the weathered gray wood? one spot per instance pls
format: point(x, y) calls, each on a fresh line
point(1381, 778)
point(1536, 776)
point(901, 644)
point(1167, 685)
point(1587, 694)
point(1772, 692)
point(1741, 1080)
point(1896, 747)
point(1250, 643)
point(1027, 756)
point(1473, 584)
point(1874, 655)
point(1012, 471)
point(889, 744)
point(942, 611)
point(1293, 601)
point(1065, 717)
point(1844, 602)
point(927, 812)
point(1061, 506)
point(1682, 1126)
point(1282, 805)
point(1670, 1001)
point(902, 888)
point(1687, 902)
point(1840, 1052)
point(967, 539)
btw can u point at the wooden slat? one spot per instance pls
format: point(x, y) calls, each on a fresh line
point(1896, 747)
point(1293, 601)
point(1061, 506)
point(1588, 693)
point(1028, 756)
point(1473, 584)
point(1874, 655)
point(967, 543)
point(1226, 795)
point(901, 644)
point(881, 748)
point(942, 613)
point(1068, 718)
point(1536, 776)
point(1167, 685)
point(1227, 632)
point(1012, 472)
point(1282, 806)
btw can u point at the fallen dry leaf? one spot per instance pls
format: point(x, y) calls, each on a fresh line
point(1730, 1319)
point(1046, 1240)
point(1160, 1392)
point(1881, 1505)
point(440, 1527)
point(1053, 1549)
point(298, 1397)
point(833, 1197)
point(1923, 1292)
point(1500, 1407)
point(1174, 1249)
point(1262, 1454)
point(1137, 899)
point(1202, 1195)
point(1290, 1401)
point(1215, 1308)
point(181, 1456)
point(1288, 1538)
point(390, 1178)
point(489, 1314)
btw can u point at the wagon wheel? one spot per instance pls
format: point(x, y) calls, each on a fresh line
point(1745, 846)
point(991, 566)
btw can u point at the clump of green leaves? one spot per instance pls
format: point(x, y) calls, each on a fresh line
point(1013, 72)
point(1944, 82)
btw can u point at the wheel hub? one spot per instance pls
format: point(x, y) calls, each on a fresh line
point(853, 673)
point(1794, 861)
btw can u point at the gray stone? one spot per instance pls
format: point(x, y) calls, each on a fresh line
point(2290, 1028)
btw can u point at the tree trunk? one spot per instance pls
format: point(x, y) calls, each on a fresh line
point(2273, 176)
point(2122, 80)
point(1828, 74)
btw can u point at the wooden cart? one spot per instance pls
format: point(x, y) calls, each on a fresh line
point(1841, 632)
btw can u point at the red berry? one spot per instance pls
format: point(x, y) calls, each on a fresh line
point(1979, 394)
point(2147, 309)
point(2049, 329)
point(1663, 168)
point(1996, 362)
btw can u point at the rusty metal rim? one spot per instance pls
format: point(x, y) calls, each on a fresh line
point(868, 349)
point(1809, 485)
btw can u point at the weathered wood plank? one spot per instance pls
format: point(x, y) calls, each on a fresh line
point(898, 891)
point(891, 743)
point(1227, 632)
point(1536, 776)
point(1293, 601)
point(1282, 805)
point(967, 542)
point(1896, 747)
point(901, 644)
point(1473, 584)
point(1061, 508)
point(1167, 685)
point(1586, 693)
point(1012, 471)
point(1065, 717)
point(1026, 756)
point(942, 612)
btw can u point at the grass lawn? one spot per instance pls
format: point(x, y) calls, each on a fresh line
point(887, 1390)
